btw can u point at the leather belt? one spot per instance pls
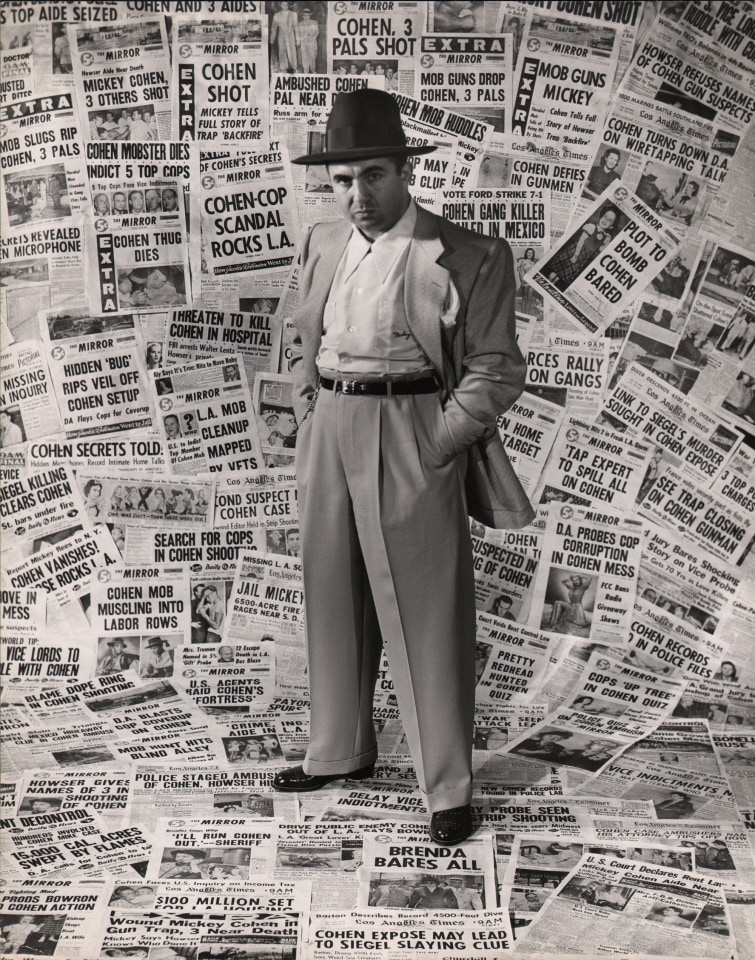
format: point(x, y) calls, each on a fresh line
point(379, 388)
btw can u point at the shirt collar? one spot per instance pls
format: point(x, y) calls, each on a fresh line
point(386, 248)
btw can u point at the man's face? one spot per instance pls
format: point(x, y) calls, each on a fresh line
point(153, 200)
point(371, 194)
point(610, 160)
point(119, 202)
point(171, 426)
point(137, 202)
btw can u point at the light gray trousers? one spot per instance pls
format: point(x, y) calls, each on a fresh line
point(386, 552)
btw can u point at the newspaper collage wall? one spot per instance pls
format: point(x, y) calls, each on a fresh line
point(153, 669)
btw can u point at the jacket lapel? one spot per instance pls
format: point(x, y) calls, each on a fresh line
point(329, 255)
point(425, 287)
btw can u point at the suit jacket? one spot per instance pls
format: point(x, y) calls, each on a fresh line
point(475, 356)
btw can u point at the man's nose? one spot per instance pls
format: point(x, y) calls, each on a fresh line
point(361, 189)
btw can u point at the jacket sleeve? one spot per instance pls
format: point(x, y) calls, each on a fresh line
point(304, 379)
point(493, 368)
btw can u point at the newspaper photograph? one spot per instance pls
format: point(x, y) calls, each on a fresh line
point(594, 271)
point(219, 80)
point(148, 500)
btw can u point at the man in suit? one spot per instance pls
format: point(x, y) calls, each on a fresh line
point(405, 354)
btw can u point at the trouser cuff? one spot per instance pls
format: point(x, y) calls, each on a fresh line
point(448, 799)
point(348, 765)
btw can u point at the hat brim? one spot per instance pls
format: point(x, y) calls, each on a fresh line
point(361, 153)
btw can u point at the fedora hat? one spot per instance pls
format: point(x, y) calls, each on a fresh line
point(362, 124)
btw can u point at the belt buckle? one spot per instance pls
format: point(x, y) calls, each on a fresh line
point(349, 387)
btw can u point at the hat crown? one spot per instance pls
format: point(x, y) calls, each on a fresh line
point(364, 119)
point(363, 124)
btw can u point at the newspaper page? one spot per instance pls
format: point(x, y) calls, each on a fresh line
point(56, 918)
point(257, 503)
point(528, 430)
point(122, 73)
point(674, 168)
point(40, 267)
point(357, 934)
point(268, 592)
point(721, 848)
point(247, 211)
point(613, 704)
point(705, 518)
point(39, 504)
point(652, 910)
point(63, 569)
point(139, 617)
point(137, 184)
point(512, 661)
point(587, 579)
point(691, 438)
point(661, 640)
point(220, 71)
point(384, 45)
point(70, 841)
point(188, 791)
point(687, 742)
point(26, 396)
point(43, 183)
point(522, 217)
point(471, 71)
point(569, 367)
point(588, 464)
point(213, 911)
point(139, 266)
point(157, 723)
point(563, 83)
point(674, 577)
point(692, 63)
point(675, 794)
point(328, 854)
point(196, 334)
point(459, 877)
point(234, 678)
point(50, 791)
point(607, 258)
point(206, 417)
point(214, 550)
point(97, 371)
point(219, 848)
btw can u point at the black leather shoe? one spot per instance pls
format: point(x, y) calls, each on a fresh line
point(296, 780)
point(449, 827)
